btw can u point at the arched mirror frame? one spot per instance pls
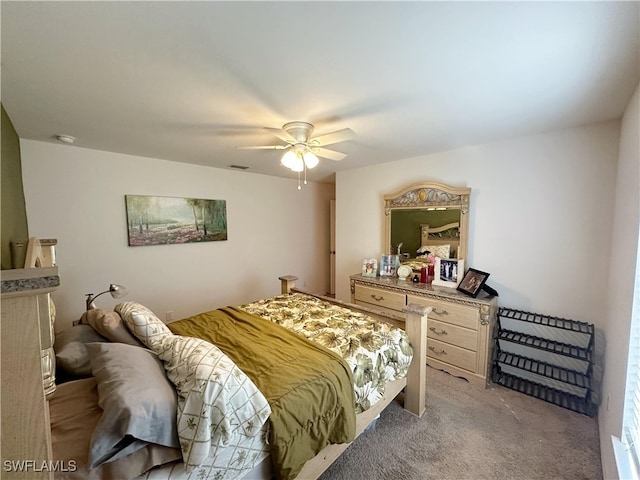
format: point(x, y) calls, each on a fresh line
point(426, 196)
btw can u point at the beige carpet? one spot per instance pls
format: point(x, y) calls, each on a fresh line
point(469, 432)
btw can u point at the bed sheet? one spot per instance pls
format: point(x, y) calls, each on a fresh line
point(233, 461)
point(376, 352)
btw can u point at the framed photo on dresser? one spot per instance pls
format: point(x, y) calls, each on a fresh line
point(448, 272)
point(388, 265)
point(369, 267)
point(472, 282)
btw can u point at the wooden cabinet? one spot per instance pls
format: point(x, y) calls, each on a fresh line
point(459, 328)
point(28, 367)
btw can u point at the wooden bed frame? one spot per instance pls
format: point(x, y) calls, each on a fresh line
point(27, 333)
point(415, 324)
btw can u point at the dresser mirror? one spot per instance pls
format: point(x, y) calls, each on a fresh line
point(427, 217)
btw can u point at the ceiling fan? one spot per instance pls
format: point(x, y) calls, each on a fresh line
point(301, 148)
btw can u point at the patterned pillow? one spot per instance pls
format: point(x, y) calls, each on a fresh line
point(442, 251)
point(143, 323)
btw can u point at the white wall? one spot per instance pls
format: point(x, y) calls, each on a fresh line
point(77, 196)
point(540, 216)
point(554, 219)
point(626, 224)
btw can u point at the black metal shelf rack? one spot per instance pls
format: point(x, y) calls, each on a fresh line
point(546, 357)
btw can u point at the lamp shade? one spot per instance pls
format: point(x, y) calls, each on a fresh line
point(115, 290)
point(310, 159)
point(288, 159)
point(298, 164)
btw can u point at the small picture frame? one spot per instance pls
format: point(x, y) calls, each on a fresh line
point(388, 265)
point(472, 282)
point(448, 272)
point(370, 267)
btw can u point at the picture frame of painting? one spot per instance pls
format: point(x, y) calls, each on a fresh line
point(155, 220)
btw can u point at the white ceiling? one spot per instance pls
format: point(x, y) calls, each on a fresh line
point(191, 81)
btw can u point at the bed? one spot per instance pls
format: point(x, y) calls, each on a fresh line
point(443, 242)
point(253, 422)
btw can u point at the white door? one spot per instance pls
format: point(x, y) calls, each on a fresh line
point(332, 248)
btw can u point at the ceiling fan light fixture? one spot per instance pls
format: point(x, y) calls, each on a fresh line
point(289, 159)
point(298, 164)
point(310, 159)
point(301, 150)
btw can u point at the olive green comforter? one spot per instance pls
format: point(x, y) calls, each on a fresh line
point(309, 388)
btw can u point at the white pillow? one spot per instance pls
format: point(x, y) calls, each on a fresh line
point(143, 323)
point(442, 251)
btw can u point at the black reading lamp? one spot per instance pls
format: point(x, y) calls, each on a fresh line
point(116, 291)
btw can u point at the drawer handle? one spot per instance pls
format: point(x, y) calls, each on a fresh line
point(441, 332)
point(377, 298)
point(441, 352)
point(441, 312)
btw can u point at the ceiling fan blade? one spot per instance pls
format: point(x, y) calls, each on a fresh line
point(333, 137)
point(265, 147)
point(330, 154)
point(281, 134)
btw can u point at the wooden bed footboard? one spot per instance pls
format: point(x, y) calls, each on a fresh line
point(414, 323)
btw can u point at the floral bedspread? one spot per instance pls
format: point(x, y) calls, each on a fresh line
point(376, 352)
point(416, 264)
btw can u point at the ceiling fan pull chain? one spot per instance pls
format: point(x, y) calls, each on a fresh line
point(299, 187)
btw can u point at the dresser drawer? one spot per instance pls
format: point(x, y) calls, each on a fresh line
point(456, 356)
point(384, 310)
point(381, 298)
point(459, 328)
point(461, 315)
point(447, 333)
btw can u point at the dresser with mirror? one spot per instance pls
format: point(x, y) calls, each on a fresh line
point(433, 218)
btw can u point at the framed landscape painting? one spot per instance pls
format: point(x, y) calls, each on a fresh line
point(169, 220)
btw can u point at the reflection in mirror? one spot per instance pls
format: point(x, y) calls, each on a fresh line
point(423, 228)
point(427, 217)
